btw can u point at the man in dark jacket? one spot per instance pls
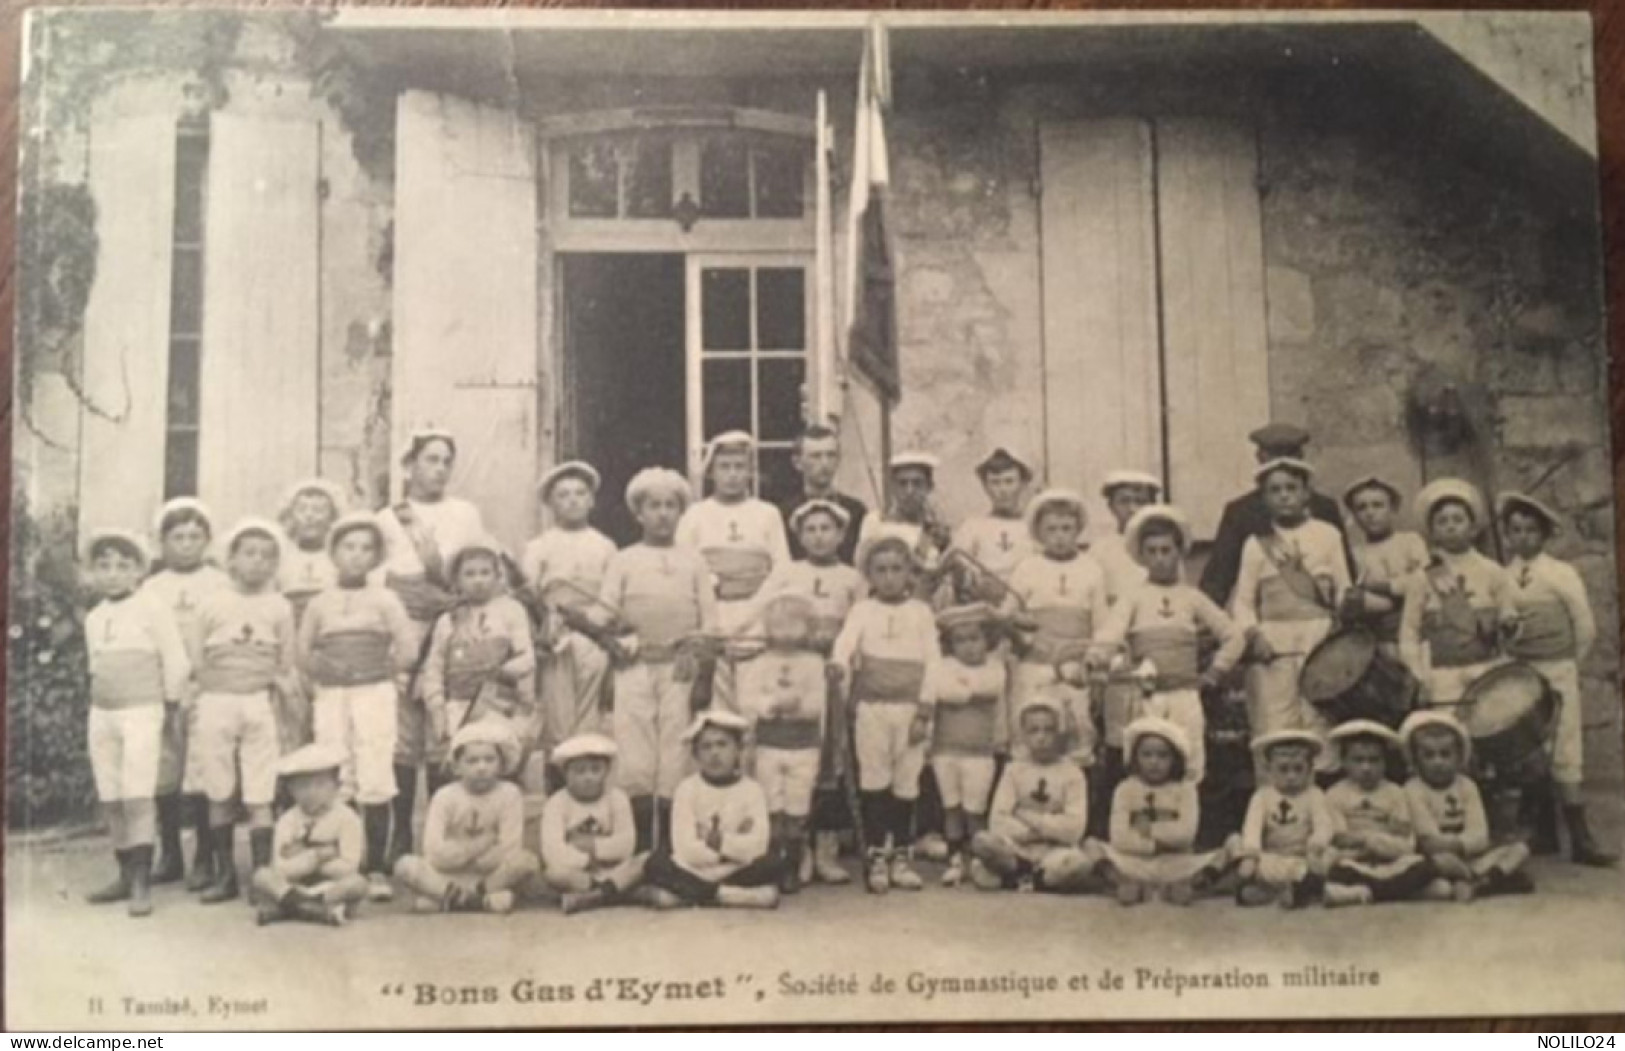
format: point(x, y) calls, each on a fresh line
point(1246, 515)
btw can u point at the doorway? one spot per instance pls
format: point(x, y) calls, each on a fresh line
point(623, 371)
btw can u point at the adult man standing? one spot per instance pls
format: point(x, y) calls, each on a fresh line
point(1247, 516)
point(817, 457)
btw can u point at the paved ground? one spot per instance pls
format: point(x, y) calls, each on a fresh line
point(816, 958)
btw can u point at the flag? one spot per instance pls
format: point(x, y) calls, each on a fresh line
point(870, 320)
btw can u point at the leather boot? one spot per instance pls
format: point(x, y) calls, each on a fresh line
point(1539, 816)
point(203, 872)
point(171, 867)
point(224, 887)
point(140, 864)
point(1583, 849)
point(259, 848)
point(119, 888)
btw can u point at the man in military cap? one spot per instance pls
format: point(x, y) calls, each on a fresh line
point(1247, 516)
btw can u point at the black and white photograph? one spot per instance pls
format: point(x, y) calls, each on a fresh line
point(630, 518)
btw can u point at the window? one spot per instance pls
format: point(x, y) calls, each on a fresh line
point(753, 361)
point(186, 308)
point(729, 175)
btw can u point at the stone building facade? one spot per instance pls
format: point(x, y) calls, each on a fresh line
point(1118, 243)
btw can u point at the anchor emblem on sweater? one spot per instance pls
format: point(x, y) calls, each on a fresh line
point(588, 826)
point(1062, 589)
point(818, 587)
point(184, 603)
point(1166, 610)
point(1523, 576)
point(1041, 794)
point(1149, 814)
point(734, 536)
point(473, 827)
point(891, 626)
point(245, 635)
point(1284, 814)
point(1455, 815)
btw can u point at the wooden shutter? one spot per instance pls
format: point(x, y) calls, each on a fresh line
point(1101, 371)
point(257, 429)
point(126, 336)
point(1213, 311)
point(465, 298)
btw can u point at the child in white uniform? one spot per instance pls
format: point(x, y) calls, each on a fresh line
point(664, 596)
point(243, 646)
point(1125, 493)
point(1385, 560)
point(833, 588)
point(1374, 856)
point(1287, 834)
point(1291, 581)
point(1451, 827)
point(1036, 823)
point(741, 539)
point(588, 836)
point(1058, 598)
point(783, 694)
point(1154, 820)
point(314, 874)
point(184, 529)
point(356, 646)
point(1158, 624)
point(998, 540)
point(720, 830)
point(884, 652)
point(965, 692)
point(307, 515)
point(564, 569)
point(1555, 630)
point(138, 672)
point(473, 858)
point(482, 659)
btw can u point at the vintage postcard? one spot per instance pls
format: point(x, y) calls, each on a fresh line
point(627, 519)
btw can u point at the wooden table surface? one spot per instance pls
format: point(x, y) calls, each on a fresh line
point(1609, 22)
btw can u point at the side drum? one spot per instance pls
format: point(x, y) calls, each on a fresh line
point(1347, 677)
point(1510, 713)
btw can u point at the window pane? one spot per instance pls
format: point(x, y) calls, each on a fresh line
point(781, 308)
point(781, 380)
point(186, 292)
point(191, 159)
point(776, 479)
point(724, 179)
point(648, 183)
point(725, 308)
point(594, 172)
point(779, 171)
point(183, 382)
point(726, 394)
point(180, 464)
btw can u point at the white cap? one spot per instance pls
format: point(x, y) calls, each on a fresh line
point(311, 759)
point(569, 469)
point(125, 537)
point(1152, 726)
point(1284, 463)
point(1444, 489)
point(421, 436)
point(181, 503)
point(252, 524)
point(1051, 497)
point(828, 506)
point(657, 479)
point(1364, 728)
point(1422, 720)
point(722, 719)
point(1511, 500)
point(744, 438)
point(350, 523)
point(1155, 513)
point(1122, 478)
point(493, 732)
point(313, 485)
point(1262, 744)
point(582, 746)
point(915, 458)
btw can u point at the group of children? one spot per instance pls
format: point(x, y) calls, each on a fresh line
point(688, 698)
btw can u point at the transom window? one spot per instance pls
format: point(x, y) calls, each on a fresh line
point(726, 175)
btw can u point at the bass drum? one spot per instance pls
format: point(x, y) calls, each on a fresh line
point(1347, 677)
point(1510, 713)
